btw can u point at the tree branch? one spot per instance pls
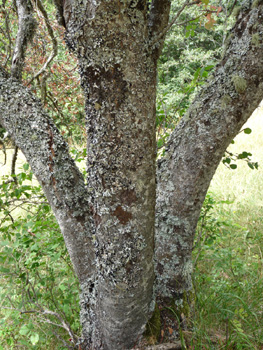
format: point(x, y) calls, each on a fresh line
point(164, 28)
point(158, 20)
point(197, 145)
point(53, 39)
point(26, 30)
point(47, 153)
point(13, 164)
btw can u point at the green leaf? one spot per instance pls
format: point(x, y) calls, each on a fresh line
point(233, 166)
point(24, 330)
point(247, 131)
point(250, 165)
point(227, 160)
point(4, 269)
point(26, 166)
point(34, 338)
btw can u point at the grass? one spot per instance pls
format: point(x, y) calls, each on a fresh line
point(229, 268)
point(229, 255)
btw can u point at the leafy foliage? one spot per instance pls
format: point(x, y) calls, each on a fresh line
point(58, 84)
point(191, 51)
point(228, 279)
point(39, 292)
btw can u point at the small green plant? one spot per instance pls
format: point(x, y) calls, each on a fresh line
point(228, 278)
point(39, 292)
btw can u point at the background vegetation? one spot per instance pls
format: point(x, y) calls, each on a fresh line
point(38, 290)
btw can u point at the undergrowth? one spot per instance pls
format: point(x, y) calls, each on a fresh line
point(228, 278)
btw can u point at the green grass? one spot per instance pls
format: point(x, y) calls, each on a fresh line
point(229, 268)
point(229, 257)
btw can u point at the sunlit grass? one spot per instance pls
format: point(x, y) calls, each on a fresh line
point(229, 272)
point(243, 185)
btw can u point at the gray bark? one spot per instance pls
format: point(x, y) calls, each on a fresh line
point(118, 75)
point(108, 226)
point(26, 30)
point(63, 184)
point(196, 147)
point(112, 250)
point(47, 153)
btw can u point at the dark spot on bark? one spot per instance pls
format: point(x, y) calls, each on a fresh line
point(96, 217)
point(91, 287)
point(104, 83)
point(128, 266)
point(207, 123)
point(81, 219)
point(160, 269)
point(239, 116)
point(128, 197)
point(122, 215)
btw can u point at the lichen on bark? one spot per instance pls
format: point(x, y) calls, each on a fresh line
point(196, 147)
point(109, 225)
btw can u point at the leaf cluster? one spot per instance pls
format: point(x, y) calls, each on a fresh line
point(39, 292)
point(228, 278)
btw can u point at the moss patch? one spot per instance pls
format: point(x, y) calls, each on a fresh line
point(225, 101)
point(255, 39)
point(153, 327)
point(239, 83)
point(236, 11)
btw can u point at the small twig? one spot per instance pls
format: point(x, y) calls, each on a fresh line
point(165, 346)
point(232, 8)
point(189, 20)
point(28, 312)
point(63, 323)
point(4, 150)
point(53, 39)
point(168, 27)
point(63, 341)
point(13, 164)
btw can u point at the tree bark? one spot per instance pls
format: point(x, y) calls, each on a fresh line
point(118, 76)
point(196, 147)
point(26, 30)
point(108, 225)
point(47, 153)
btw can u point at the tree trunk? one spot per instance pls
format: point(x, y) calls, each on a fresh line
point(112, 226)
point(108, 225)
point(196, 147)
point(118, 77)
